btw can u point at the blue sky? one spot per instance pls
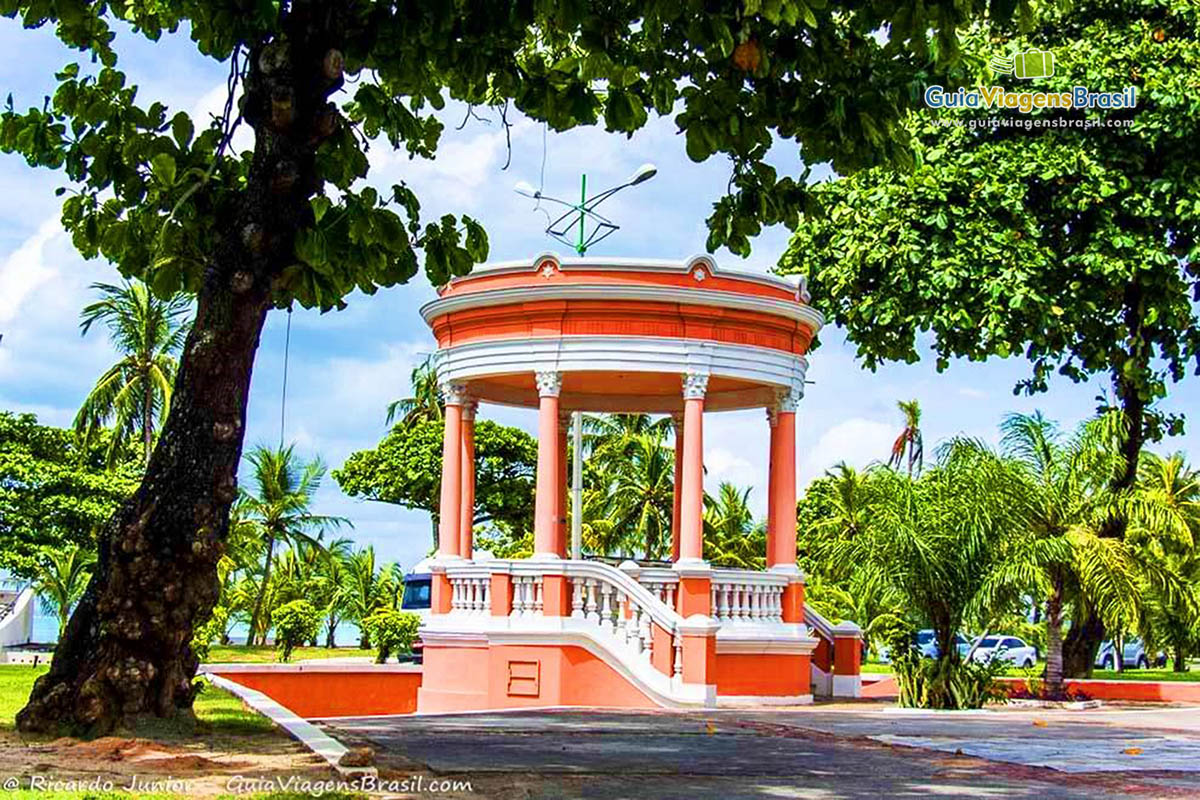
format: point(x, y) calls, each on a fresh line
point(345, 367)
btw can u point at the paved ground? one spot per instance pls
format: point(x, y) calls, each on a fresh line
point(824, 752)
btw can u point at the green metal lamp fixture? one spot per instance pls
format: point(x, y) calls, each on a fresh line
point(572, 227)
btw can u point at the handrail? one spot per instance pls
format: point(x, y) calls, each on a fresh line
point(666, 617)
point(822, 626)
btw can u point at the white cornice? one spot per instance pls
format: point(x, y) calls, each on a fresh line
point(663, 265)
point(806, 315)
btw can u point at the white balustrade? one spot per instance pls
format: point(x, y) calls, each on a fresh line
point(744, 596)
point(470, 593)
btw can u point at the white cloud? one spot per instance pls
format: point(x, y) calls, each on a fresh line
point(26, 269)
point(856, 441)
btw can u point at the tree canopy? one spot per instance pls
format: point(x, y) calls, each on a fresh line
point(1073, 243)
point(54, 490)
point(406, 469)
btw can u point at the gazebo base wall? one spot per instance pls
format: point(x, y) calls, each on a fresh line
point(782, 676)
point(496, 677)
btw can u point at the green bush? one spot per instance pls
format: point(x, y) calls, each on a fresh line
point(391, 631)
point(943, 683)
point(295, 623)
point(206, 634)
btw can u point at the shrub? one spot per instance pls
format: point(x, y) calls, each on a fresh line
point(295, 623)
point(391, 631)
point(206, 634)
point(944, 683)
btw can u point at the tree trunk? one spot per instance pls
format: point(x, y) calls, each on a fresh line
point(331, 633)
point(126, 651)
point(1080, 646)
point(1083, 641)
point(1054, 640)
point(1179, 660)
point(147, 418)
point(255, 616)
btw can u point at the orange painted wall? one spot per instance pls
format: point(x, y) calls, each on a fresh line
point(522, 676)
point(335, 694)
point(778, 674)
point(621, 318)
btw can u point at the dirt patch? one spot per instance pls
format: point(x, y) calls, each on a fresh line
point(203, 766)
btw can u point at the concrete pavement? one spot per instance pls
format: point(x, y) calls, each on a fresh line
point(854, 751)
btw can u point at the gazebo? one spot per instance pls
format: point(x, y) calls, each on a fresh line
point(616, 335)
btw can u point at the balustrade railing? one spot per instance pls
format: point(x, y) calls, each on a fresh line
point(745, 596)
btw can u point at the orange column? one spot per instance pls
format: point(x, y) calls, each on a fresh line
point(466, 523)
point(449, 510)
point(772, 477)
point(560, 511)
point(677, 424)
point(549, 475)
point(782, 551)
point(691, 507)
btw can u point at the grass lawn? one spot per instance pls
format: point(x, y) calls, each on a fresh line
point(258, 654)
point(217, 710)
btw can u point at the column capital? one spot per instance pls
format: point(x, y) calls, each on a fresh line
point(773, 415)
point(455, 393)
point(469, 407)
point(677, 422)
point(695, 385)
point(549, 383)
point(788, 400)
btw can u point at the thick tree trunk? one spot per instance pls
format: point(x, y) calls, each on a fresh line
point(127, 650)
point(1054, 640)
point(1080, 647)
point(1083, 641)
point(252, 636)
point(1179, 660)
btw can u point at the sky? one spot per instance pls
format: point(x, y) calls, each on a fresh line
point(345, 367)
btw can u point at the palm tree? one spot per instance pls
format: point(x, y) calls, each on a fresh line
point(134, 394)
point(909, 441)
point(731, 536)
point(284, 491)
point(365, 589)
point(1173, 491)
point(641, 498)
point(62, 575)
point(1065, 503)
point(941, 545)
point(426, 402)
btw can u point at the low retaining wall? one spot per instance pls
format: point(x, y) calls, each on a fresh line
point(1134, 691)
point(313, 691)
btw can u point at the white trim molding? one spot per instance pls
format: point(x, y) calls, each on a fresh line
point(798, 284)
point(691, 296)
point(767, 369)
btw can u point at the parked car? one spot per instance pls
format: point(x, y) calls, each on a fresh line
point(927, 644)
point(1006, 648)
point(418, 599)
point(1133, 656)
